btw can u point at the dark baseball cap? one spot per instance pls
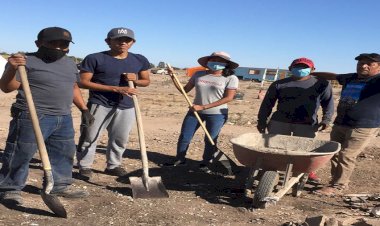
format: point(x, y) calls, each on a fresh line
point(370, 56)
point(54, 33)
point(121, 32)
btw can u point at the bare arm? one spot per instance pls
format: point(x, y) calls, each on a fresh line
point(85, 82)
point(8, 82)
point(143, 80)
point(325, 75)
point(78, 99)
point(189, 86)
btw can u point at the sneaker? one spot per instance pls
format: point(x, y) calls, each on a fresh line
point(313, 178)
point(12, 198)
point(86, 173)
point(175, 163)
point(71, 193)
point(117, 171)
point(204, 168)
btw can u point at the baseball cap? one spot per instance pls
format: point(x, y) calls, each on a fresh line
point(121, 32)
point(371, 56)
point(54, 33)
point(203, 60)
point(303, 60)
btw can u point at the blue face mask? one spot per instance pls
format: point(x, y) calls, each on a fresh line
point(300, 72)
point(216, 66)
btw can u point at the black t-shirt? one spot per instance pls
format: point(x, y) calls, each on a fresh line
point(298, 101)
point(359, 105)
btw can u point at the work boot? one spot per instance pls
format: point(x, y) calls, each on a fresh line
point(313, 178)
point(117, 171)
point(86, 173)
point(12, 198)
point(71, 193)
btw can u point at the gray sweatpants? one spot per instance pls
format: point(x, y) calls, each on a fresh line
point(118, 124)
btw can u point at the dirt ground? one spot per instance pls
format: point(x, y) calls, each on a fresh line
point(195, 198)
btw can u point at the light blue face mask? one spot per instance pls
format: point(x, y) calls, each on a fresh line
point(300, 72)
point(216, 66)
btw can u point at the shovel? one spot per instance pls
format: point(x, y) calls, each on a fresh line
point(145, 187)
point(218, 156)
point(50, 200)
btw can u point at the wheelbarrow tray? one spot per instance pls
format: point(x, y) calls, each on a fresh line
point(275, 152)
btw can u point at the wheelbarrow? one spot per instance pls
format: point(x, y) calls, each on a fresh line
point(284, 163)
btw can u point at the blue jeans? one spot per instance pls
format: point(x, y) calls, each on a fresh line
point(214, 124)
point(21, 145)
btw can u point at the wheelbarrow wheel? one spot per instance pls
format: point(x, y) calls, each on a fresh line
point(265, 187)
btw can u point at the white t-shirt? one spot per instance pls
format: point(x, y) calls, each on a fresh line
point(210, 88)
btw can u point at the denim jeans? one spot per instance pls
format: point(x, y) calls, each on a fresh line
point(21, 145)
point(214, 124)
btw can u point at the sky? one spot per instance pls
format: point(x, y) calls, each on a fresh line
point(256, 33)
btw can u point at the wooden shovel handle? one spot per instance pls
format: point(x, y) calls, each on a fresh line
point(190, 105)
point(33, 115)
point(140, 130)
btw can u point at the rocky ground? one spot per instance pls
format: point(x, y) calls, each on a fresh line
point(196, 198)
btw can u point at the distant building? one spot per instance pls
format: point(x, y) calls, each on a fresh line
point(260, 74)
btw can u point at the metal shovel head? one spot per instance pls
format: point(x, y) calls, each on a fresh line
point(155, 188)
point(223, 164)
point(54, 204)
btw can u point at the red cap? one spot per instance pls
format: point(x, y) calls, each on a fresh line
point(303, 60)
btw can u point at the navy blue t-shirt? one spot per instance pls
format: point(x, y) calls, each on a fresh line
point(359, 105)
point(108, 70)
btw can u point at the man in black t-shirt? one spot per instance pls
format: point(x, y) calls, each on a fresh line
point(358, 118)
point(298, 100)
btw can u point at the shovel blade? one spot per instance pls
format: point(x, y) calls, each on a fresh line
point(155, 188)
point(221, 163)
point(54, 204)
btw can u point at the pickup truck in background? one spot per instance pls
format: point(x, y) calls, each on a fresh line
point(160, 71)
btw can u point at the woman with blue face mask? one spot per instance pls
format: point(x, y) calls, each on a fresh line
point(214, 88)
point(298, 99)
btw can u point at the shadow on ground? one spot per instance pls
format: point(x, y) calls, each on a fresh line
point(213, 187)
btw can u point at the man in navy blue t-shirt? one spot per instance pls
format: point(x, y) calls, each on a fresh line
point(106, 75)
point(358, 118)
